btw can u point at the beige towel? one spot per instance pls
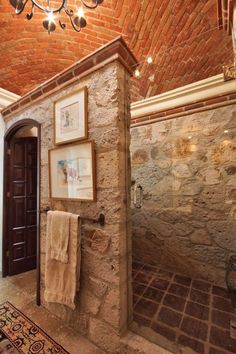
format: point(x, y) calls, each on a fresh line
point(59, 235)
point(62, 279)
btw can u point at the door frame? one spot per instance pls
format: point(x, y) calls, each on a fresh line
point(7, 138)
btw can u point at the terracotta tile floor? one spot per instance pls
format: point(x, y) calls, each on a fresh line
point(184, 311)
point(20, 291)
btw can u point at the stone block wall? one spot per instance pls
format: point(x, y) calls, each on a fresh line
point(187, 167)
point(102, 303)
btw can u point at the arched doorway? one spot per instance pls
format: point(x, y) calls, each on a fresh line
point(21, 201)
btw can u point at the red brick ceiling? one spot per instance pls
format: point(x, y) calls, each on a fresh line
point(181, 36)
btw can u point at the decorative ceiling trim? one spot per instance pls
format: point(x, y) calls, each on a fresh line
point(7, 98)
point(198, 91)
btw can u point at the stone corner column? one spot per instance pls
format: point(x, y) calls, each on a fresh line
point(114, 182)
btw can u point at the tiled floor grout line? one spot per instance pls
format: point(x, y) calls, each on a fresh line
point(184, 310)
point(147, 286)
point(180, 331)
point(159, 307)
point(209, 321)
point(206, 288)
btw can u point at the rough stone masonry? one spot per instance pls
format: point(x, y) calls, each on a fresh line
point(187, 167)
point(102, 303)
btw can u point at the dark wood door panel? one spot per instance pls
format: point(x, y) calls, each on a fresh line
point(18, 189)
point(18, 235)
point(19, 174)
point(31, 203)
point(18, 252)
point(18, 153)
point(31, 218)
point(31, 182)
point(17, 217)
point(22, 225)
point(31, 242)
point(32, 158)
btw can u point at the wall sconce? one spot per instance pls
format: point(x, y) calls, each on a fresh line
point(229, 72)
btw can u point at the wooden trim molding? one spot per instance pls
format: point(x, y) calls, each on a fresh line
point(112, 51)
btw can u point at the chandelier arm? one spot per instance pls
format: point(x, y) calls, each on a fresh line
point(47, 9)
point(31, 14)
point(70, 14)
point(76, 28)
point(18, 12)
point(90, 6)
point(61, 24)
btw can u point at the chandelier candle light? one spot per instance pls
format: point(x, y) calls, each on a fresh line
point(78, 20)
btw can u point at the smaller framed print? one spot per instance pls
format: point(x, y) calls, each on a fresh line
point(72, 172)
point(71, 117)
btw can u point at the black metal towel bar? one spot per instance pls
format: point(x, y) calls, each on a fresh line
point(100, 220)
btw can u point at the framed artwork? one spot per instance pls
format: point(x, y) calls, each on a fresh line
point(72, 172)
point(71, 117)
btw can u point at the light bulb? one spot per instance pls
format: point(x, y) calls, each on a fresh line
point(226, 131)
point(151, 78)
point(80, 12)
point(50, 16)
point(149, 60)
point(137, 73)
point(189, 137)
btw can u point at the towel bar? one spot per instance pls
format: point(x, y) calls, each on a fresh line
point(100, 220)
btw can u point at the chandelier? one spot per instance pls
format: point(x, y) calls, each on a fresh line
point(78, 20)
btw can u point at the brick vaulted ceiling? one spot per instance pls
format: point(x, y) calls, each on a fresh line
point(181, 35)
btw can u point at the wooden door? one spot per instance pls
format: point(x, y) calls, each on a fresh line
point(22, 205)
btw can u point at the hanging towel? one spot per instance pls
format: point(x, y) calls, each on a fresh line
point(59, 235)
point(62, 279)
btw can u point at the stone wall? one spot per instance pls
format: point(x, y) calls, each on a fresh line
point(101, 304)
point(187, 168)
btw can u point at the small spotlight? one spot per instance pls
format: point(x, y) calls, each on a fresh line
point(50, 16)
point(189, 137)
point(49, 24)
point(226, 131)
point(80, 20)
point(151, 78)
point(137, 73)
point(149, 60)
point(80, 12)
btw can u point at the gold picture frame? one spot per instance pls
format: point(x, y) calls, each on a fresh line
point(71, 117)
point(72, 172)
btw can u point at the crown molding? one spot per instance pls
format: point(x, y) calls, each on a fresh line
point(193, 93)
point(6, 98)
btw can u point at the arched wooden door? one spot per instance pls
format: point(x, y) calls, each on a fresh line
point(22, 205)
point(21, 212)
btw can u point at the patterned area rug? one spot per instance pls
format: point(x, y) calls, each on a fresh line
point(19, 335)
